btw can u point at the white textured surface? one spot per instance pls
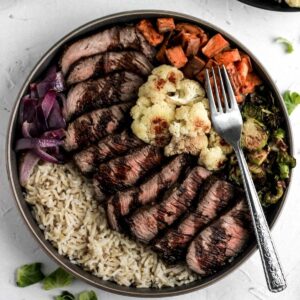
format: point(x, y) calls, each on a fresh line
point(28, 28)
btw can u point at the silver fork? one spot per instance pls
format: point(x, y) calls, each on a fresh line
point(227, 121)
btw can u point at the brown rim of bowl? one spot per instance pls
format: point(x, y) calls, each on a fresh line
point(25, 210)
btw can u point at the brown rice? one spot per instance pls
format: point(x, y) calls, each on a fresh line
point(63, 205)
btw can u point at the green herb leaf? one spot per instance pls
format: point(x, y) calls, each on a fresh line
point(87, 295)
point(291, 99)
point(288, 45)
point(58, 278)
point(65, 295)
point(29, 274)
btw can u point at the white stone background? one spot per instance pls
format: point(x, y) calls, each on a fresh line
point(28, 28)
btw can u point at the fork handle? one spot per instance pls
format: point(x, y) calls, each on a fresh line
point(273, 271)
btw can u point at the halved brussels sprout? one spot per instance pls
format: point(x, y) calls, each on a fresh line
point(258, 172)
point(274, 198)
point(285, 163)
point(279, 140)
point(258, 157)
point(254, 135)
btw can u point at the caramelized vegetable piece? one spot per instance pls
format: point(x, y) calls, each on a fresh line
point(151, 35)
point(187, 37)
point(210, 64)
point(227, 57)
point(193, 46)
point(252, 81)
point(235, 81)
point(161, 53)
point(203, 40)
point(176, 57)
point(165, 24)
point(215, 45)
point(194, 66)
point(244, 66)
point(190, 28)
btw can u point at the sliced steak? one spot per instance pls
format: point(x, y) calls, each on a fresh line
point(106, 91)
point(88, 160)
point(215, 197)
point(114, 38)
point(93, 126)
point(122, 203)
point(109, 62)
point(131, 61)
point(146, 223)
point(220, 241)
point(125, 171)
point(86, 68)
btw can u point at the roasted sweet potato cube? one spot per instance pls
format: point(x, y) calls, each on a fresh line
point(244, 67)
point(192, 46)
point(215, 45)
point(161, 53)
point(148, 31)
point(176, 56)
point(227, 57)
point(165, 24)
point(194, 66)
point(190, 28)
point(210, 64)
point(203, 39)
point(234, 77)
point(252, 81)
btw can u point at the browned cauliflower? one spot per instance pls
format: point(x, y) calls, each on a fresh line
point(158, 102)
point(189, 130)
point(172, 112)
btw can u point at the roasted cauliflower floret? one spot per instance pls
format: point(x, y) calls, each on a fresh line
point(163, 81)
point(159, 106)
point(216, 140)
point(188, 91)
point(212, 158)
point(186, 144)
point(190, 121)
point(151, 123)
point(189, 130)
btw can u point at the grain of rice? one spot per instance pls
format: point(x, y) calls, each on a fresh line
point(63, 205)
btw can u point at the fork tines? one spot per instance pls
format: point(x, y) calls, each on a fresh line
point(221, 94)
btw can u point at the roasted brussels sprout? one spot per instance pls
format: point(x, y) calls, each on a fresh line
point(235, 175)
point(270, 198)
point(258, 157)
point(254, 135)
point(258, 173)
point(279, 140)
point(262, 107)
point(279, 134)
point(252, 111)
point(264, 140)
point(284, 171)
point(285, 163)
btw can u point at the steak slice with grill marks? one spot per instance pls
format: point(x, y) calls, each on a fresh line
point(146, 223)
point(88, 160)
point(215, 197)
point(109, 62)
point(220, 241)
point(106, 91)
point(114, 38)
point(125, 171)
point(122, 203)
point(93, 126)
